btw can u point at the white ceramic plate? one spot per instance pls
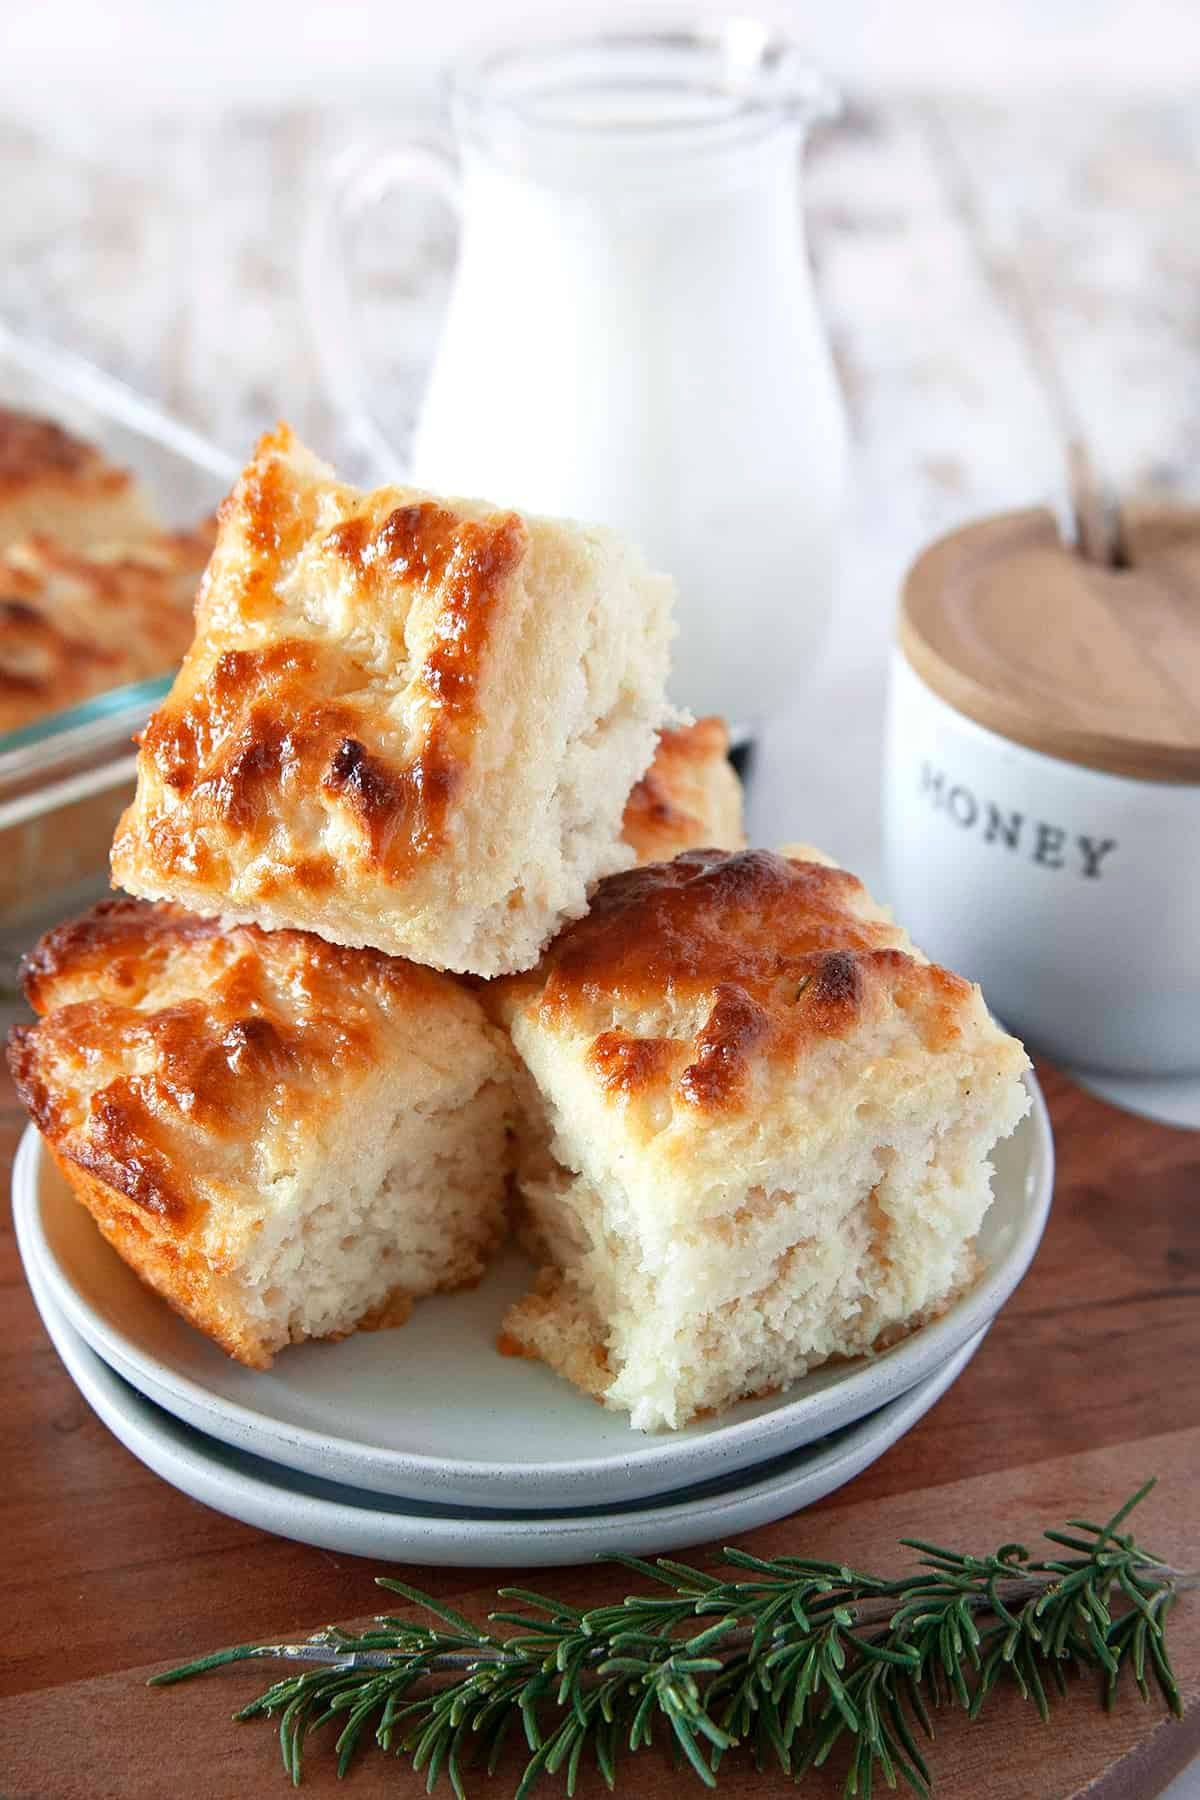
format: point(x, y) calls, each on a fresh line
point(432, 1412)
point(357, 1523)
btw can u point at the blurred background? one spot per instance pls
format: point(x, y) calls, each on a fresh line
point(1004, 226)
point(190, 51)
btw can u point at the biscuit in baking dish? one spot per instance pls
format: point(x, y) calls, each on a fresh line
point(58, 485)
point(285, 1138)
point(765, 1123)
point(405, 722)
point(74, 623)
point(689, 798)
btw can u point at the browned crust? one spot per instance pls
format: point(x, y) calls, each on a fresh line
point(394, 1310)
point(124, 945)
point(181, 1276)
point(167, 1043)
point(582, 1356)
point(733, 1030)
point(782, 953)
point(33, 449)
point(185, 1279)
point(119, 939)
point(625, 1063)
point(689, 798)
point(74, 622)
point(167, 1046)
point(52, 481)
point(251, 726)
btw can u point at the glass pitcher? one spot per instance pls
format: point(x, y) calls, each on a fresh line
point(631, 334)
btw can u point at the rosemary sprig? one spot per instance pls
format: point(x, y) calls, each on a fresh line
point(794, 1658)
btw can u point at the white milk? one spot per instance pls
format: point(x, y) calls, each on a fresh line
point(632, 337)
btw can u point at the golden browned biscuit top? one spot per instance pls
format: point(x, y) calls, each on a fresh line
point(32, 448)
point(689, 798)
point(74, 622)
point(314, 699)
point(56, 484)
point(686, 974)
point(169, 1048)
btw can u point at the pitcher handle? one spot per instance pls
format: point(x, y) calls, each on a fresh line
point(355, 182)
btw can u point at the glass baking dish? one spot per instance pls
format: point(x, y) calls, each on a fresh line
point(65, 779)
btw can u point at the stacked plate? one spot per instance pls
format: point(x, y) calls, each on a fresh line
point(428, 1447)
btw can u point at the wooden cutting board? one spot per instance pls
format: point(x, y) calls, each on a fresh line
point(1088, 1383)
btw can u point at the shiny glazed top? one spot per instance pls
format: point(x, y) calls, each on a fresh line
point(764, 956)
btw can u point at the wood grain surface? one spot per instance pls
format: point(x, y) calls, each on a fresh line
point(1081, 660)
point(1088, 1383)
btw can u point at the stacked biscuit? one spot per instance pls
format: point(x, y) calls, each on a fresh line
point(741, 1123)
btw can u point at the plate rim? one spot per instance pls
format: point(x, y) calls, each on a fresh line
point(127, 1413)
point(653, 1462)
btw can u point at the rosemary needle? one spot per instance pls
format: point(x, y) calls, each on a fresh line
point(798, 1661)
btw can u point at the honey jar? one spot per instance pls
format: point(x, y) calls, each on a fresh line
point(1042, 781)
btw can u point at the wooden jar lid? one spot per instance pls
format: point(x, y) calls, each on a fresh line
point(1092, 663)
